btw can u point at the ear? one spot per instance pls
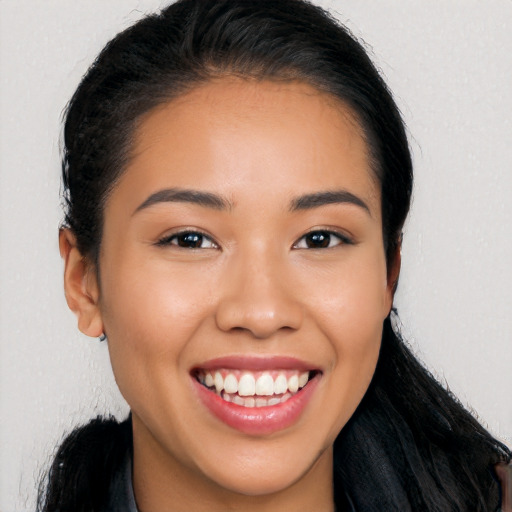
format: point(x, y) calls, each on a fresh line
point(394, 264)
point(80, 285)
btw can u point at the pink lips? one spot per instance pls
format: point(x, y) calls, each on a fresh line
point(257, 420)
point(257, 363)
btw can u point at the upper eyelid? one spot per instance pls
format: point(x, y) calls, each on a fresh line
point(344, 237)
point(186, 229)
point(183, 231)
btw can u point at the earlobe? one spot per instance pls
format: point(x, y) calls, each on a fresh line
point(80, 285)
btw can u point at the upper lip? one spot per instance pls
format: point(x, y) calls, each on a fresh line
point(257, 363)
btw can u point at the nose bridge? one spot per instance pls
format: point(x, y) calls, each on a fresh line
point(258, 297)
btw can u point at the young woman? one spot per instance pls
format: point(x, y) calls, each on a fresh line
point(236, 177)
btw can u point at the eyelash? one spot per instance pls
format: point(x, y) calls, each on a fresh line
point(323, 236)
point(199, 237)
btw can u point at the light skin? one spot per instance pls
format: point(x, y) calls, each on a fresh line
point(253, 167)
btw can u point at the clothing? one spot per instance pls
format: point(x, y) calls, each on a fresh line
point(121, 497)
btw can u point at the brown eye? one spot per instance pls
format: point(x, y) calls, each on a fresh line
point(188, 240)
point(192, 240)
point(317, 240)
point(321, 239)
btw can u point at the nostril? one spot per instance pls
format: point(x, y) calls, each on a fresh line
point(240, 319)
point(261, 312)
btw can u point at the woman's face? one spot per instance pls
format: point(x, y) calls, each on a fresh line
point(242, 248)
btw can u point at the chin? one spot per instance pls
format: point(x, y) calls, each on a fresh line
point(266, 470)
point(261, 481)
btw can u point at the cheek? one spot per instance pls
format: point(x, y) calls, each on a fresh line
point(150, 316)
point(351, 298)
point(353, 324)
point(350, 309)
point(155, 302)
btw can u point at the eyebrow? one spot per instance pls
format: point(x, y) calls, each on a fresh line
point(217, 202)
point(317, 199)
point(180, 195)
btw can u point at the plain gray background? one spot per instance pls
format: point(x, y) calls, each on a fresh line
point(449, 65)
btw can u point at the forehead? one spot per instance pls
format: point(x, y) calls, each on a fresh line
point(235, 136)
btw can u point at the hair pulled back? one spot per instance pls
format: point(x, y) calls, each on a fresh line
point(193, 41)
point(410, 445)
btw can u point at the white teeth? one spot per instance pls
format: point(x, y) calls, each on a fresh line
point(219, 382)
point(238, 400)
point(233, 390)
point(247, 385)
point(230, 384)
point(293, 384)
point(265, 385)
point(208, 380)
point(280, 385)
point(303, 379)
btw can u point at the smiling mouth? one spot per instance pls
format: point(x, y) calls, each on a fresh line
point(254, 388)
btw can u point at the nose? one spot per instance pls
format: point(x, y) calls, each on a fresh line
point(259, 299)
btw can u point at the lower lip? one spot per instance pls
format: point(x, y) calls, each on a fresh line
point(257, 420)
